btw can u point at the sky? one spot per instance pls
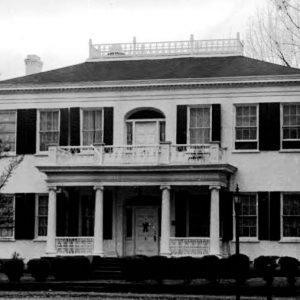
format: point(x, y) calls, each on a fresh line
point(59, 30)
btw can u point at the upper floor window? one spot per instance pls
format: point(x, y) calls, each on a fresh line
point(6, 216)
point(248, 215)
point(246, 124)
point(41, 215)
point(199, 125)
point(290, 126)
point(48, 129)
point(8, 130)
point(291, 215)
point(92, 126)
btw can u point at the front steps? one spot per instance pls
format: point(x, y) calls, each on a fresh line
point(106, 268)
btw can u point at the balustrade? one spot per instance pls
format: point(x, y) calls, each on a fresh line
point(189, 246)
point(74, 245)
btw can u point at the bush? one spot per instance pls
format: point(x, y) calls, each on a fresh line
point(238, 267)
point(289, 268)
point(265, 267)
point(134, 267)
point(209, 267)
point(39, 268)
point(13, 269)
point(158, 267)
point(71, 267)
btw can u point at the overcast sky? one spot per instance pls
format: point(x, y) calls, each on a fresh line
point(58, 30)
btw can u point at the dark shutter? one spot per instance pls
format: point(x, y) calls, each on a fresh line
point(107, 215)
point(275, 216)
point(75, 126)
point(180, 214)
point(26, 131)
point(108, 125)
point(181, 134)
point(24, 216)
point(216, 123)
point(226, 215)
point(263, 216)
point(269, 126)
point(64, 127)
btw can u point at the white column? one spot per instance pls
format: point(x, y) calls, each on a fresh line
point(214, 220)
point(51, 226)
point(165, 222)
point(98, 221)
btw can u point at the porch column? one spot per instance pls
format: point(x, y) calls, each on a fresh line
point(165, 222)
point(214, 220)
point(51, 226)
point(98, 221)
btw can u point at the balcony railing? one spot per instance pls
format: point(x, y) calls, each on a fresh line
point(170, 48)
point(189, 246)
point(79, 245)
point(137, 155)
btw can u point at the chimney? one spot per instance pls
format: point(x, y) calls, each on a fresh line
point(33, 64)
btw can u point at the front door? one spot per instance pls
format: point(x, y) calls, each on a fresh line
point(146, 231)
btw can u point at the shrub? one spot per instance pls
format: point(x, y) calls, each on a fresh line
point(289, 268)
point(13, 269)
point(184, 268)
point(134, 267)
point(72, 267)
point(209, 267)
point(39, 268)
point(265, 267)
point(238, 267)
point(158, 267)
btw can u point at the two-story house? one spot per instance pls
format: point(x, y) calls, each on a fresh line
point(138, 150)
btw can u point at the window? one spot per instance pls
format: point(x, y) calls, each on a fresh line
point(290, 126)
point(41, 215)
point(6, 216)
point(199, 125)
point(48, 129)
point(92, 126)
point(291, 215)
point(248, 216)
point(246, 135)
point(8, 130)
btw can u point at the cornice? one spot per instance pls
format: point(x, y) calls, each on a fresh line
point(185, 83)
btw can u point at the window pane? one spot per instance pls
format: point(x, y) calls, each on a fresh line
point(42, 215)
point(6, 216)
point(291, 121)
point(291, 215)
point(200, 125)
point(8, 130)
point(92, 127)
point(248, 216)
point(49, 129)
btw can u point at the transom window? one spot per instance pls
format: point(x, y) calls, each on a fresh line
point(8, 130)
point(48, 129)
point(41, 215)
point(246, 127)
point(92, 126)
point(248, 216)
point(199, 125)
point(6, 216)
point(291, 215)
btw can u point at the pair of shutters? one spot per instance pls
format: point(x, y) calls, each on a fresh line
point(69, 128)
point(181, 137)
point(268, 215)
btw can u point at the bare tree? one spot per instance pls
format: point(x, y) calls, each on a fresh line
point(273, 34)
point(6, 206)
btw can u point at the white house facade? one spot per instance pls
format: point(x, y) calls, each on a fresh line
point(139, 149)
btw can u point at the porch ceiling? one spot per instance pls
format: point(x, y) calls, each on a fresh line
point(210, 174)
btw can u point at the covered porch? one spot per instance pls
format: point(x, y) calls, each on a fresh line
point(119, 211)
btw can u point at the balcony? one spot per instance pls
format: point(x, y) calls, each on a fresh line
point(163, 154)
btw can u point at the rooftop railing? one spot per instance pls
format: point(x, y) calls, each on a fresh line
point(216, 47)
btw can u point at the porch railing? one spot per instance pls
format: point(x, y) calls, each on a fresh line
point(74, 245)
point(137, 155)
point(189, 246)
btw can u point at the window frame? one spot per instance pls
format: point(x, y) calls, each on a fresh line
point(282, 237)
point(16, 118)
point(81, 122)
point(282, 140)
point(12, 237)
point(188, 135)
point(38, 128)
point(235, 140)
point(246, 238)
point(36, 219)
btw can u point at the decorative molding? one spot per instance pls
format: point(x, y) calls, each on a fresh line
point(98, 187)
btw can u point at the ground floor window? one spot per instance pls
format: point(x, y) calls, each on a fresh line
point(41, 215)
point(248, 215)
point(291, 215)
point(6, 216)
